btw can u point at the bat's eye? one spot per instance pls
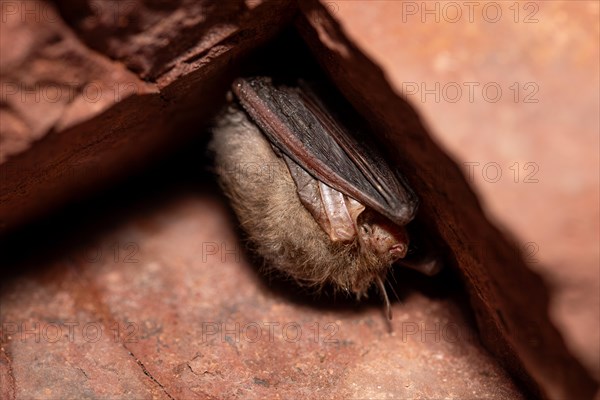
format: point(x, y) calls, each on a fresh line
point(366, 229)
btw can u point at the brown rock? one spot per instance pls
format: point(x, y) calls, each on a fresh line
point(511, 302)
point(59, 140)
point(151, 37)
point(184, 314)
point(93, 120)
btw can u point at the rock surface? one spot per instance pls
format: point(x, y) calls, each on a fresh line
point(144, 305)
point(529, 151)
point(158, 299)
point(92, 120)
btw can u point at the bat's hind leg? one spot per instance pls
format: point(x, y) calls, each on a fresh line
point(429, 265)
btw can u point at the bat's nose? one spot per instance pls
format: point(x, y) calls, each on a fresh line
point(386, 239)
point(398, 251)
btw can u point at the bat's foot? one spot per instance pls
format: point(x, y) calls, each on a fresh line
point(429, 266)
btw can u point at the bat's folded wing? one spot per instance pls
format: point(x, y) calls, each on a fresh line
point(302, 127)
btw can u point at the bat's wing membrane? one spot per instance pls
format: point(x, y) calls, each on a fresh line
point(299, 124)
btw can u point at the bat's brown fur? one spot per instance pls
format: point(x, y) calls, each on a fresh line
point(265, 200)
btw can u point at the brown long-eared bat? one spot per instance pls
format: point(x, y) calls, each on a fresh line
point(318, 203)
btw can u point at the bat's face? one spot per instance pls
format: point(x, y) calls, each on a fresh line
point(382, 237)
point(323, 209)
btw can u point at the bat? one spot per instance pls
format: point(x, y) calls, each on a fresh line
point(316, 199)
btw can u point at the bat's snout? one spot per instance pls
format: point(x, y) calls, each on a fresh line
point(383, 237)
point(398, 251)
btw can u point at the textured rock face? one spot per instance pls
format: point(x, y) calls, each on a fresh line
point(176, 310)
point(91, 117)
point(90, 100)
point(513, 97)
